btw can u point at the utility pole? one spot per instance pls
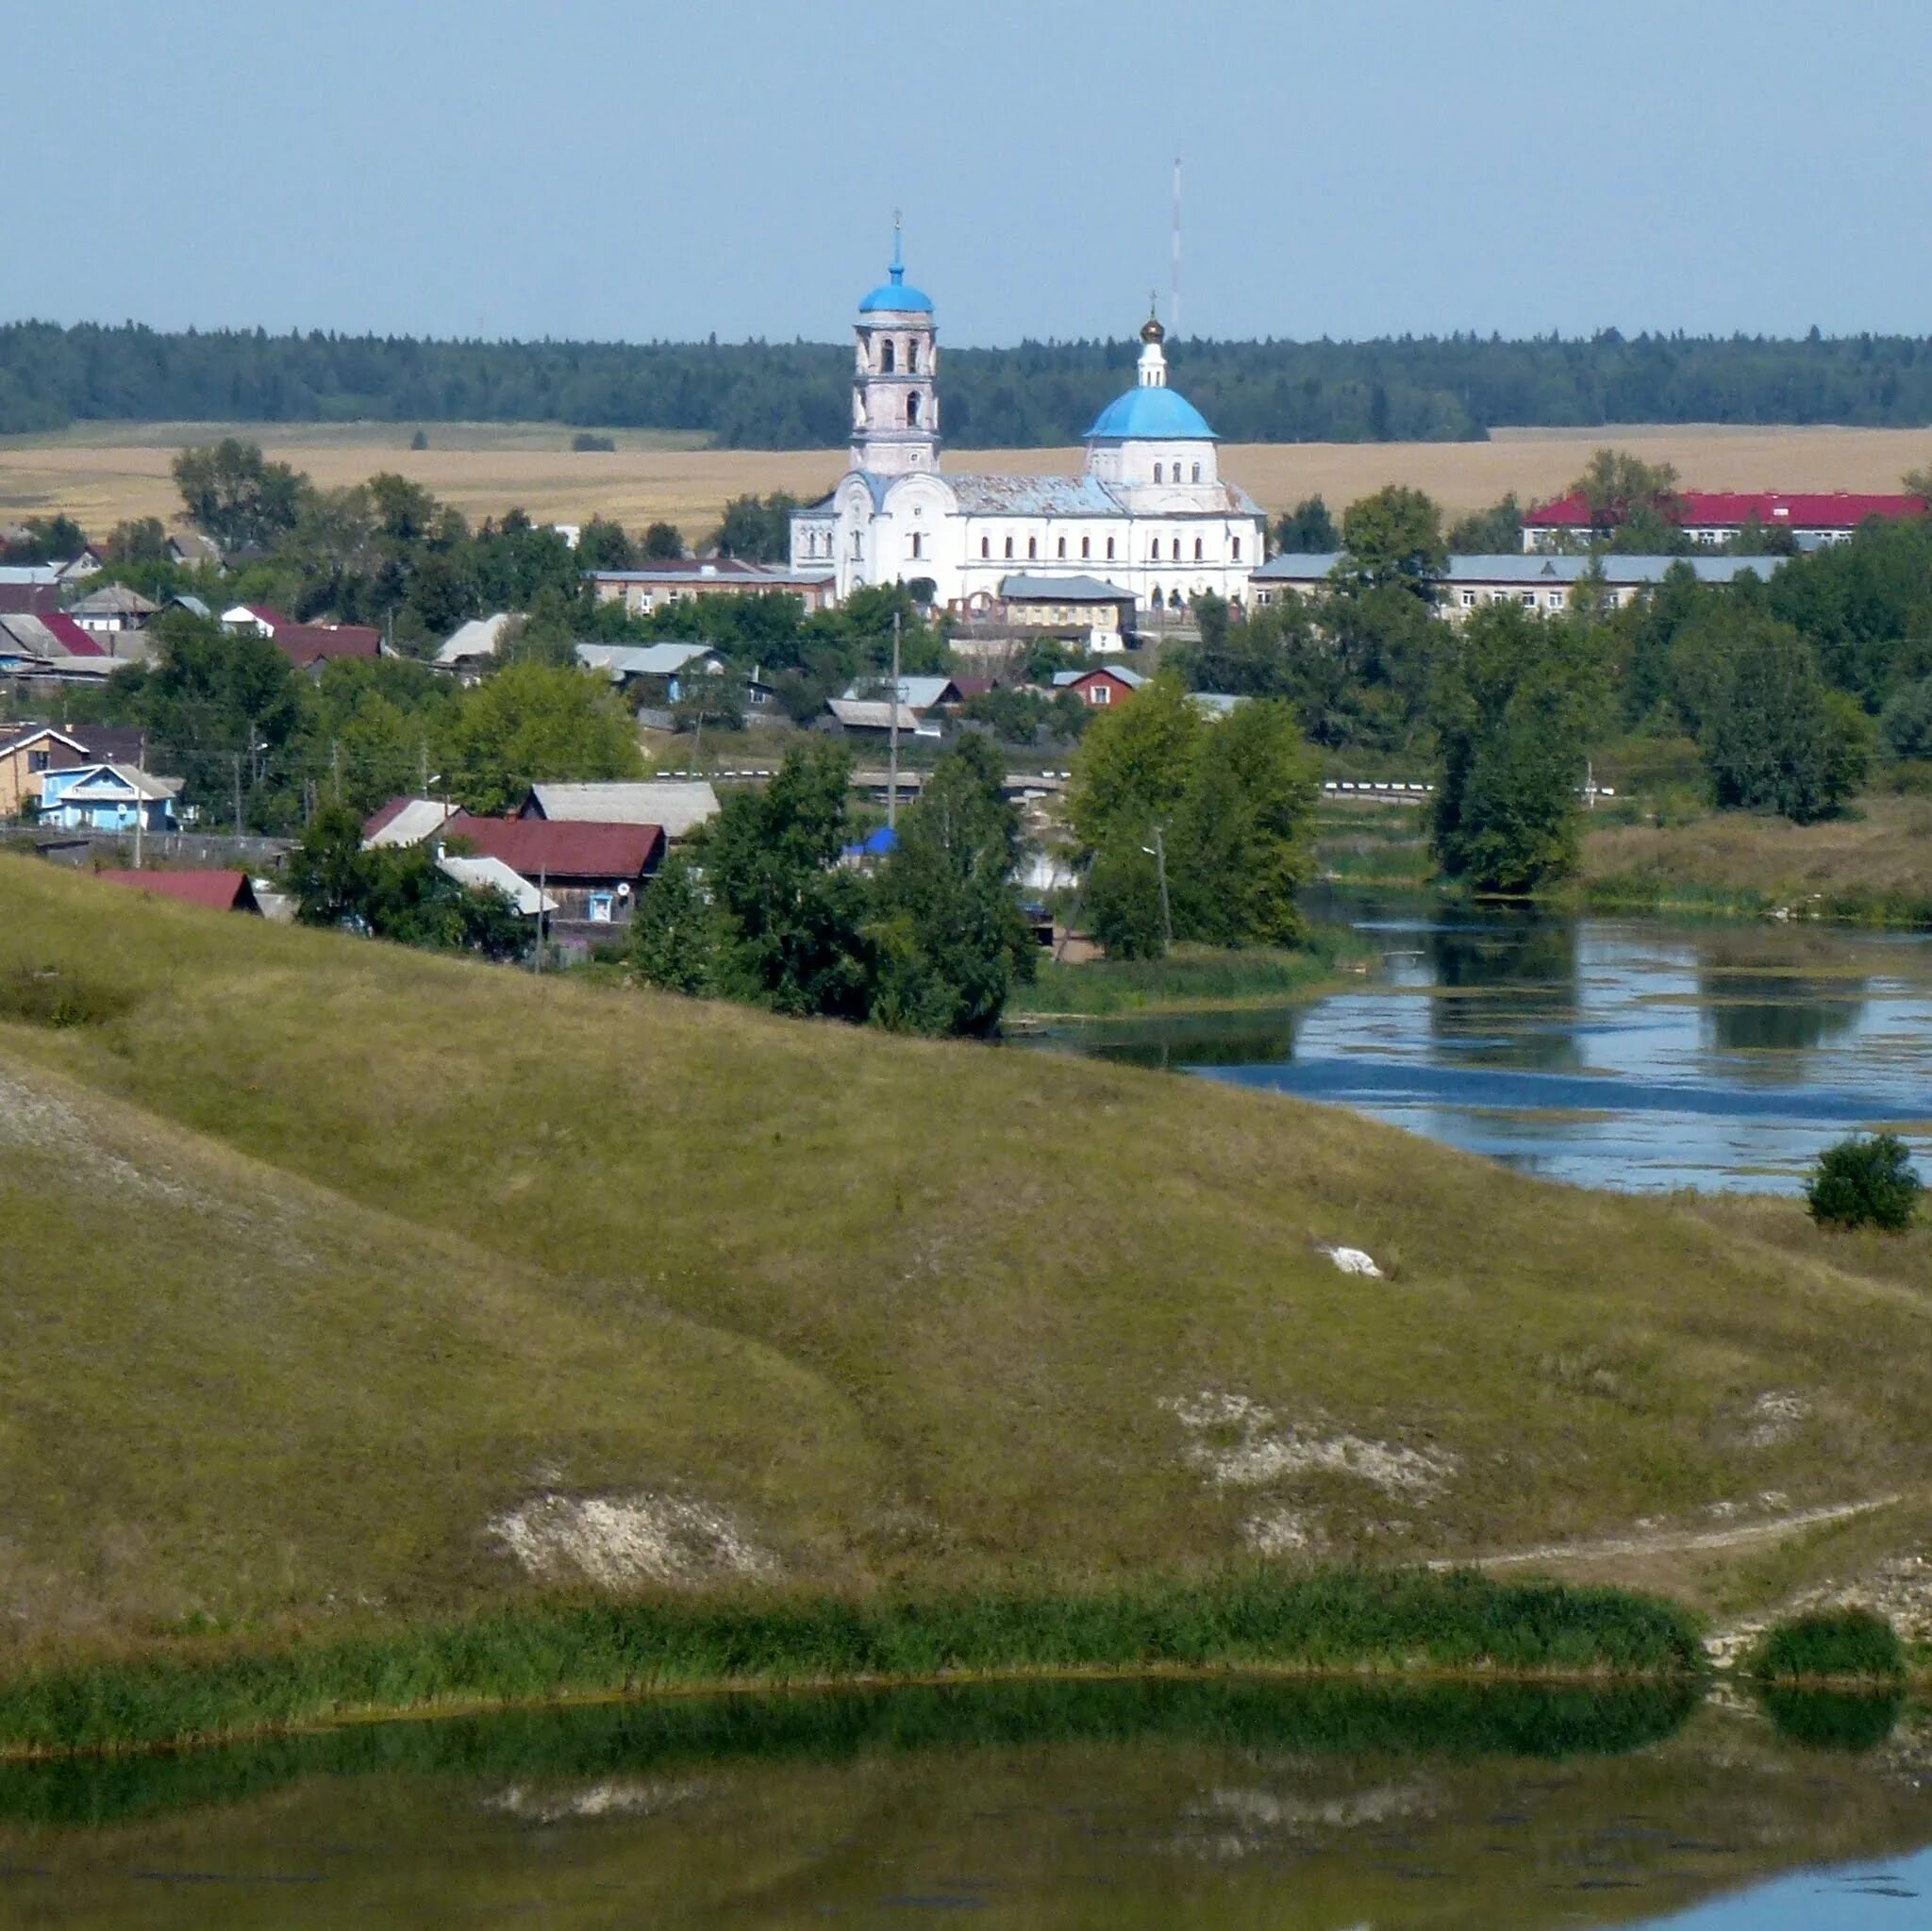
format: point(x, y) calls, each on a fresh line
point(892, 736)
point(1160, 872)
point(140, 826)
point(542, 893)
point(335, 768)
point(238, 794)
point(422, 767)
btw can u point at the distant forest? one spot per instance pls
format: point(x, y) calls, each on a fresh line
point(795, 396)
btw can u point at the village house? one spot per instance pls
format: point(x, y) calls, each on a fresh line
point(406, 821)
point(191, 550)
point(594, 872)
point(874, 720)
point(31, 751)
point(27, 589)
point(262, 619)
point(493, 874)
point(681, 579)
point(309, 646)
point(219, 891)
point(677, 807)
point(1101, 685)
point(1095, 618)
point(108, 797)
point(651, 673)
point(113, 606)
point(473, 644)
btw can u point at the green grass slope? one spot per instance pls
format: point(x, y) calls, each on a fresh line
point(323, 1256)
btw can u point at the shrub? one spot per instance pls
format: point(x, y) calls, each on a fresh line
point(1829, 1643)
point(1864, 1182)
point(585, 443)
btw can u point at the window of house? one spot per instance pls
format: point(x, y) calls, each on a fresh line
point(1528, 599)
point(1177, 549)
point(1062, 553)
point(857, 545)
point(1085, 548)
point(1099, 694)
point(1469, 600)
point(1198, 552)
point(886, 355)
point(1156, 473)
point(1032, 549)
point(1557, 598)
point(1010, 548)
point(39, 760)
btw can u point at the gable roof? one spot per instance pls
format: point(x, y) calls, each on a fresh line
point(915, 694)
point(265, 616)
point(478, 637)
point(312, 644)
point(1062, 589)
point(84, 780)
point(113, 600)
point(622, 660)
point(220, 891)
point(405, 821)
point(32, 734)
point(871, 714)
point(678, 807)
point(193, 546)
point(1068, 680)
point(493, 874)
point(50, 634)
point(562, 849)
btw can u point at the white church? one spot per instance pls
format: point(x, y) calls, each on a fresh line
point(1150, 516)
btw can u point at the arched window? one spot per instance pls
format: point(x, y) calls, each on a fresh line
point(1198, 552)
point(913, 410)
point(1009, 549)
point(1236, 549)
point(917, 540)
point(1032, 549)
point(1109, 549)
point(1197, 472)
point(1156, 473)
point(1063, 550)
point(912, 355)
point(886, 355)
point(986, 546)
point(1085, 548)
point(1177, 549)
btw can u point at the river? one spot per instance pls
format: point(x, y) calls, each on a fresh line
point(1636, 1053)
point(1232, 1803)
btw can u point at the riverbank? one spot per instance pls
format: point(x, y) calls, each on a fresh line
point(1193, 978)
point(1410, 1623)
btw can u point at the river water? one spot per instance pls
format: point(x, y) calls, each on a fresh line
point(1614, 1052)
point(1236, 1803)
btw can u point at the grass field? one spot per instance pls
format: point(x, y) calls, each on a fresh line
point(103, 473)
point(348, 1283)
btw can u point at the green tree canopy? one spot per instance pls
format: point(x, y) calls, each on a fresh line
point(533, 724)
point(1393, 538)
point(239, 497)
point(1307, 530)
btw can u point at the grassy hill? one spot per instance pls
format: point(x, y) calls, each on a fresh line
point(342, 1281)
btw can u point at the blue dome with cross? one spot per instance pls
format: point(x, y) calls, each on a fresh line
point(1150, 415)
point(894, 297)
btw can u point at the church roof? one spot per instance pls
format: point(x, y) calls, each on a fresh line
point(896, 298)
point(992, 496)
point(1150, 415)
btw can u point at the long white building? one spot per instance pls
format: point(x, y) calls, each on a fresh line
point(1150, 514)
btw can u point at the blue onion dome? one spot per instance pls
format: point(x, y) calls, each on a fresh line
point(1150, 415)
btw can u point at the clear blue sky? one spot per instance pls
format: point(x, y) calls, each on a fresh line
point(638, 171)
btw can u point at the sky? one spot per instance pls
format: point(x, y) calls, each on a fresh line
point(637, 172)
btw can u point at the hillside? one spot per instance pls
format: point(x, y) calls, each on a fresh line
point(342, 1278)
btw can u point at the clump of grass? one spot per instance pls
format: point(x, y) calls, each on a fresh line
point(58, 997)
point(1829, 1644)
point(1198, 976)
point(1394, 1620)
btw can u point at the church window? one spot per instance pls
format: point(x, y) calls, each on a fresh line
point(1063, 550)
point(886, 352)
point(1197, 472)
point(913, 356)
point(1009, 549)
point(986, 546)
point(1156, 473)
point(1177, 549)
point(1085, 548)
point(858, 546)
point(913, 410)
point(1198, 550)
point(1109, 549)
point(1032, 549)
point(917, 540)
point(1236, 549)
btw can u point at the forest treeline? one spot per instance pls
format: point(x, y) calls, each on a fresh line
point(795, 396)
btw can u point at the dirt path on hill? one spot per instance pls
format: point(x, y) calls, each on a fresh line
point(1675, 1542)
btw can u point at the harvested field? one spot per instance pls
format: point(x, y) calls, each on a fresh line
point(103, 473)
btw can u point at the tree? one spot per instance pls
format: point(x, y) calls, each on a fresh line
point(663, 543)
point(1774, 737)
point(1393, 538)
point(142, 540)
point(1514, 701)
point(758, 529)
point(1617, 483)
point(1493, 532)
point(1307, 530)
point(1865, 1183)
point(794, 931)
point(534, 724)
point(674, 932)
point(1906, 721)
point(603, 546)
point(420, 441)
point(1918, 482)
point(715, 700)
point(949, 939)
point(239, 497)
point(1133, 766)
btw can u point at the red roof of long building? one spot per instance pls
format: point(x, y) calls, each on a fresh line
point(220, 891)
point(561, 848)
point(1715, 508)
point(309, 643)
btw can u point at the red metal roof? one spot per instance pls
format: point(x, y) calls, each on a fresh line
point(561, 848)
point(267, 615)
point(220, 891)
point(1707, 508)
point(310, 643)
point(72, 637)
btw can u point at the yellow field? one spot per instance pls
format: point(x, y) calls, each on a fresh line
point(103, 473)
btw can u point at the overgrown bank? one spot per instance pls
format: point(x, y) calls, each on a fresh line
point(1192, 978)
point(1402, 1621)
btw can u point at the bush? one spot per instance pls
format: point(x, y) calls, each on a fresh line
point(1864, 1183)
point(585, 443)
point(1830, 1642)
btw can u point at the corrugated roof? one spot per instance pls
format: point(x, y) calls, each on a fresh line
point(991, 495)
point(311, 644)
point(478, 637)
point(113, 600)
point(405, 821)
point(917, 693)
point(1064, 680)
point(1063, 590)
point(563, 849)
point(220, 891)
point(640, 659)
point(1527, 567)
point(871, 714)
point(493, 874)
point(680, 807)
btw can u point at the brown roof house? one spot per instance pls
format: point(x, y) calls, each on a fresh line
point(594, 872)
point(219, 891)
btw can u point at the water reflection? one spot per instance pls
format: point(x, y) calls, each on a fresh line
point(1631, 1053)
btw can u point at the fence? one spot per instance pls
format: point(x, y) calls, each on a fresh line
point(158, 849)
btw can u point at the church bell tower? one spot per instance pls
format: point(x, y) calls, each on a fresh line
point(895, 405)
